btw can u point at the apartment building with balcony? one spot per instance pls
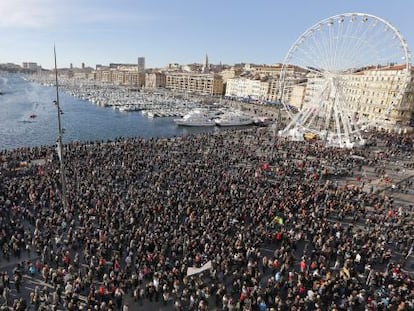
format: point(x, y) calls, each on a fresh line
point(120, 75)
point(375, 94)
point(103, 75)
point(30, 66)
point(293, 75)
point(247, 88)
point(155, 80)
point(203, 84)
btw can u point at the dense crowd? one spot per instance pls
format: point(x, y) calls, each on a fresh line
point(279, 230)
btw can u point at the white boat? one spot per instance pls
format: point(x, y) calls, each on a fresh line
point(263, 121)
point(127, 108)
point(234, 119)
point(196, 118)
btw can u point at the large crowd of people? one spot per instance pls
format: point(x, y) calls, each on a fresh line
point(268, 214)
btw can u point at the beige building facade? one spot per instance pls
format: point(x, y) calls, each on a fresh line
point(230, 73)
point(155, 80)
point(378, 94)
point(373, 93)
point(383, 95)
point(247, 88)
point(297, 96)
point(293, 75)
point(205, 84)
point(120, 77)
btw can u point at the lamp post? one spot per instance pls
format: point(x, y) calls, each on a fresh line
point(59, 148)
point(275, 129)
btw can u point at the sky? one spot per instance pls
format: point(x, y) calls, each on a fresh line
point(172, 31)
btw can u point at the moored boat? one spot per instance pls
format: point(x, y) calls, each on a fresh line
point(234, 119)
point(196, 118)
point(263, 121)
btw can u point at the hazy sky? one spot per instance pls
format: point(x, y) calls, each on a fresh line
point(166, 31)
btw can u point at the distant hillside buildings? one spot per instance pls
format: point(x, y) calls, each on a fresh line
point(30, 66)
point(25, 67)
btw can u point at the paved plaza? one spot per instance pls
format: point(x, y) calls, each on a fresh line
point(275, 218)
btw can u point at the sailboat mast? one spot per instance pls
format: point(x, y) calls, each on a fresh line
point(60, 141)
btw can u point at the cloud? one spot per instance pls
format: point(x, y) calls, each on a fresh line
point(117, 16)
point(32, 14)
point(39, 14)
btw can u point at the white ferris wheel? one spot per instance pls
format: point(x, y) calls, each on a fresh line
point(327, 66)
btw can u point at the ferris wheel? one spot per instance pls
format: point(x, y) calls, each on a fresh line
point(334, 74)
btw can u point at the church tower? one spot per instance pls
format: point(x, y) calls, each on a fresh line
point(206, 67)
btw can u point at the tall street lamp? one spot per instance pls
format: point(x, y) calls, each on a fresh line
point(59, 148)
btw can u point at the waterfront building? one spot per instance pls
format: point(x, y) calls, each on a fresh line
point(297, 95)
point(375, 91)
point(31, 66)
point(154, 80)
point(120, 75)
point(247, 88)
point(374, 94)
point(198, 83)
point(263, 83)
point(133, 78)
point(103, 75)
point(117, 77)
point(293, 75)
point(128, 78)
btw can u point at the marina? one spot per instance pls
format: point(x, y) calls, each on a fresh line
point(161, 103)
point(95, 112)
point(83, 121)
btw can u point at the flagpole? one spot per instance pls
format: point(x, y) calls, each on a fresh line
point(59, 140)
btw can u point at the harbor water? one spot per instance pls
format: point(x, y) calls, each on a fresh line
point(28, 117)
